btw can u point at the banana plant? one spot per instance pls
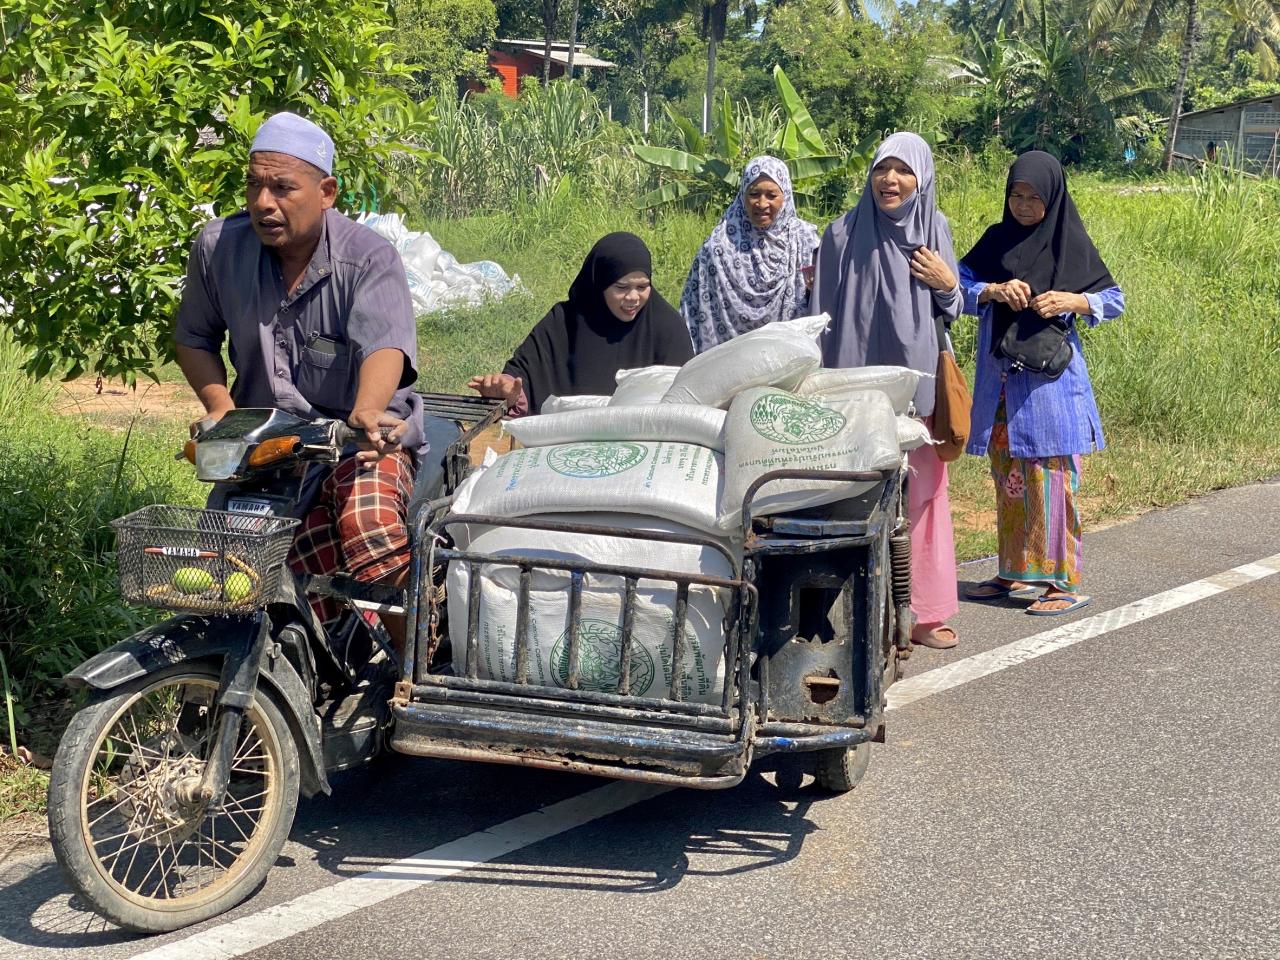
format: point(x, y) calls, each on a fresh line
point(800, 143)
point(707, 169)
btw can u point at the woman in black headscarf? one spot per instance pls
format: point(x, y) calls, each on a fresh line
point(1028, 279)
point(613, 320)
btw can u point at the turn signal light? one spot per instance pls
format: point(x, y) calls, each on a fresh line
point(269, 451)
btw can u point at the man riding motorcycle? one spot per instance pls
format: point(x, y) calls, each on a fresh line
point(320, 323)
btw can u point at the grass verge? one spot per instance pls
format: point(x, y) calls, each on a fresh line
point(22, 793)
point(64, 480)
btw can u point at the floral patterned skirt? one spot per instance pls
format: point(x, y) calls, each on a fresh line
point(1037, 516)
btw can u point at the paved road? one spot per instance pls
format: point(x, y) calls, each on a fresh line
point(1118, 797)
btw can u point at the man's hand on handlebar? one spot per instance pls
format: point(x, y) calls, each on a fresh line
point(382, 432)
point(208, 420)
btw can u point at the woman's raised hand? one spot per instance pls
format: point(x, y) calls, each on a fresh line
point(1054, 304)
point(931, 270)
point(1015, 294)
point(498, 386)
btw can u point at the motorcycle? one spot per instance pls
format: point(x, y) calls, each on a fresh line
point(175, 785)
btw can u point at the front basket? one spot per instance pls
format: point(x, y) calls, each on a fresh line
point(206, 561)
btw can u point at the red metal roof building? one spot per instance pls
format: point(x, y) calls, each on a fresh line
point(513, 60)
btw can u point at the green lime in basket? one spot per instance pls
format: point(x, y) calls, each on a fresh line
point(237, 587)
point(192, 580)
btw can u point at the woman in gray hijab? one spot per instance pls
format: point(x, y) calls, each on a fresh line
point(884, 271)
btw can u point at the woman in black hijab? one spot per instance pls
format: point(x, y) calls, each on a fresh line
point(1034, 274)
point(613, 320)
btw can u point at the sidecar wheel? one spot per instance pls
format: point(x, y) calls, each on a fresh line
point(790, 775)
point(130, 845)
point(840, 770)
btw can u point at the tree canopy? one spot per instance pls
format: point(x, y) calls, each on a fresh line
point(127, 122)
point(444, 40)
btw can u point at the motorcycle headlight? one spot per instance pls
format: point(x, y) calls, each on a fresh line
point(218, 459)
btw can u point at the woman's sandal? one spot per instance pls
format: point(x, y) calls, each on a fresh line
point(997, 589)
point(1077, 600)
point(941, 637)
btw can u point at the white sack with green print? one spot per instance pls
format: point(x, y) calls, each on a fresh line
point(676, 481)
point(771, 429)
point(652, 652)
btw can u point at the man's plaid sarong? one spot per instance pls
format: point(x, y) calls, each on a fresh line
point(358, 525)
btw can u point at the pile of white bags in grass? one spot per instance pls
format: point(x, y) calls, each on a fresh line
point(436, 278)
point(675, 450)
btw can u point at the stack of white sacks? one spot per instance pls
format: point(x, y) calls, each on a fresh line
point(674, 450)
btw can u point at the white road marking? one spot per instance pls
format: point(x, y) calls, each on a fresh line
point(310, 910)
point(979, 665)
point(256, 930)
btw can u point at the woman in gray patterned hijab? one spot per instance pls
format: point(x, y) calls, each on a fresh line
point(751, 270)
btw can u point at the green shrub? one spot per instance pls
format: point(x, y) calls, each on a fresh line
point(63, 484)
point(706, 170)
point(107, 164)
point(443, 40)
point(19, 394)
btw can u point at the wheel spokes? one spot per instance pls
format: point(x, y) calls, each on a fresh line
point(148, 840)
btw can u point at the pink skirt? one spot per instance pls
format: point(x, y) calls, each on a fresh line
point(934, 596)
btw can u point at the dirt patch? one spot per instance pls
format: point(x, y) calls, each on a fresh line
point(966, 516)
point(973, 505)
point(26, 835)
point(23, 830)
point(116, 405)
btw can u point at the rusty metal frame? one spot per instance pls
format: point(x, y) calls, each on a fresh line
point(798, 537)
point(800, 534)
point(617, 735)
point(664, 740)
point(480, 412)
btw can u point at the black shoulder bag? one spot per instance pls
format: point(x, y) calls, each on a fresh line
point(1037, 344)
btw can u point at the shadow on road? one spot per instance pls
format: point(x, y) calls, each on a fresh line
point(400, 807)
point(39, 913)
point(640, 849)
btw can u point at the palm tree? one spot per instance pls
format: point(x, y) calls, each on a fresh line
point(863, 9)
point(1257, 22)
point(1078, 85)
point(1051, 66)
point(573, 39)
point(550, 12)
point(715, 17)
point(1190, 35)
point(993, 71)
point(1066, 85)
point(1257, 29)
point(1017, 14)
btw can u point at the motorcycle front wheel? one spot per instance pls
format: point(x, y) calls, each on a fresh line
point(131, 841)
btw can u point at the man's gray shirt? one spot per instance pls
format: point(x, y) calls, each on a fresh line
point(302, 352)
